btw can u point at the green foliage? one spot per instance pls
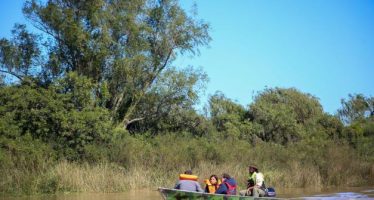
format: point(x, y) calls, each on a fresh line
point(78, 90)
point(21, 161)
point(99, 87)
point(357, 114)
point(331, 126)
point(29, 110)
point(24, 152)
point(278, 121)
point(285, 114)
point(231, 119)
point(68, 121)
point(168, 106)
point(19, 56)
point(304, 106)
point(99, 62)
point(124, 46)
point(360, 135)
point(223, 110)
point(356, 108)
point(128, 150)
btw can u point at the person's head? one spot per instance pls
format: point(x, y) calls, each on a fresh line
point(225, 176)
point(213, 179)
point(189, 172)
point(252, 168)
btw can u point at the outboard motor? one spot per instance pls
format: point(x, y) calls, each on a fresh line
point(270, 192)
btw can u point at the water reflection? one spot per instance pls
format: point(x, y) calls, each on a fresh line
point(131, 195)
point(290, 193)
point(344, 195)
point(330, 194)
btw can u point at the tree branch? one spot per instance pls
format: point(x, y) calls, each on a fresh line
point(143, 91)
point(13, 74)
point(126, 123)
point(135, 120)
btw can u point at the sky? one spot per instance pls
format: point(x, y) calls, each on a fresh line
point(324, 48)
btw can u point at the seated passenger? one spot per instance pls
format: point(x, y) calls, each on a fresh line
point(212, 184)
point(228, 185)
point(256, 186)
point(188, 182)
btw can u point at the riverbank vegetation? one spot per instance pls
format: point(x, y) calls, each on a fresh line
point(93, 103)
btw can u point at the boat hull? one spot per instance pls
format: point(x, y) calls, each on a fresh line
point(173, 194)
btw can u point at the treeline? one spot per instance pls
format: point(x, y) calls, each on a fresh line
point(94, 103)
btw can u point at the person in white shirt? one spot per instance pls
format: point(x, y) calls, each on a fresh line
point(255, 186)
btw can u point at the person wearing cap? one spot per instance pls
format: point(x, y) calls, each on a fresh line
point(188, 182)
point(255, 186)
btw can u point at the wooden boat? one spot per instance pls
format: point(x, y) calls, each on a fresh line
point(173, 194)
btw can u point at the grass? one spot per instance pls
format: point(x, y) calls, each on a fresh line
point(151, 165)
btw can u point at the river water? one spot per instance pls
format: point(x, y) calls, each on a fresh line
point(299, 193)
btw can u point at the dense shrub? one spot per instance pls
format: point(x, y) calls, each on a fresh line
point(57, 119)
point(48, 132)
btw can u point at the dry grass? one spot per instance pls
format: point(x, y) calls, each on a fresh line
point(283, 167)
point(102, 177)
point(105, 177)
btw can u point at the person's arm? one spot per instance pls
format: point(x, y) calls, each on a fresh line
point(177, 186)
point(250, 183)
point(198, 187)
point(206, 189)
point(222, 189)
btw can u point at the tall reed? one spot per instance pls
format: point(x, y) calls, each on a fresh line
point(150, 163)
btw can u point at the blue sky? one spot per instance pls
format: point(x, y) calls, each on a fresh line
point(325, 48)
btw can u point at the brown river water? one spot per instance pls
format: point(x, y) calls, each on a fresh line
point(297, 193)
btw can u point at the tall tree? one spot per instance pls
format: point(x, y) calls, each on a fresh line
point(357, 107)
point(19, 57)
point(168, 105)
point(123, 46)
point(223, 110)
point(285, 114)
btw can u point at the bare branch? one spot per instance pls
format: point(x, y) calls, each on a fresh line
point(135, 120)
point(126, 122)
point(13, 74)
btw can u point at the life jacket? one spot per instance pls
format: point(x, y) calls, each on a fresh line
point(210, 188)
point(231, 189)
point(251, 179)
point(188, 177)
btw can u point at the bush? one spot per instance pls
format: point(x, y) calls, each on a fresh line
point(54, 118)
point(21, 162)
